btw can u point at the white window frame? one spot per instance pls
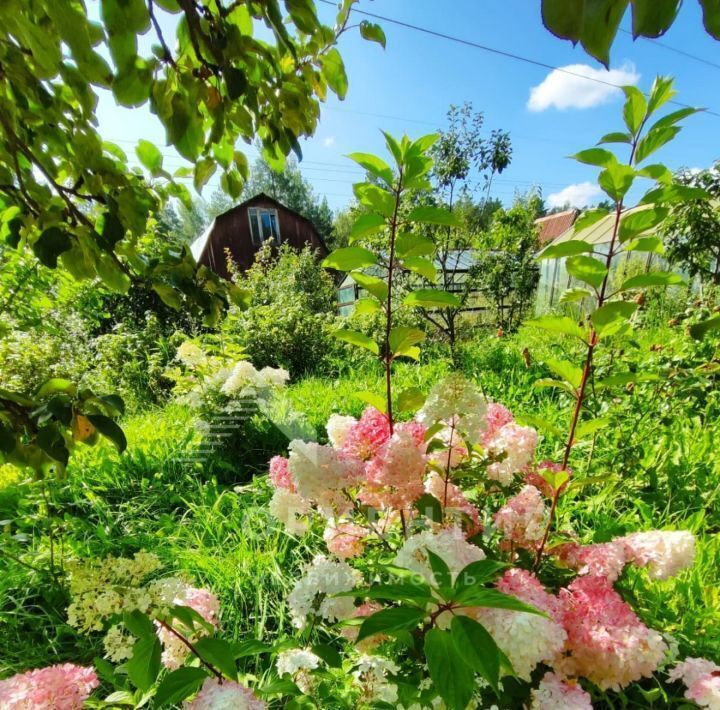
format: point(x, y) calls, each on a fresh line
point(256, 214)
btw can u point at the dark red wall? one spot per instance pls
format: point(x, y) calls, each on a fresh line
point(232, 232)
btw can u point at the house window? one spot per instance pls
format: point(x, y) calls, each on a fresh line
point(264, 225)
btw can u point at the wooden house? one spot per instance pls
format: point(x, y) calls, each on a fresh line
point(239, 233)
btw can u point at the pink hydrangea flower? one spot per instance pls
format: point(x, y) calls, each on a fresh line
point(364, 438)
point(395, 475)
point(496, 417)
point(227, 695)
point(280, 473)
point(61, 687)
point(345, 539)
point(204, 603)
point(555, 693)
point(454, 501)
point(454, 452)
point(702, 680)
point(607, 642)
point(603, 559)
point(523, 519)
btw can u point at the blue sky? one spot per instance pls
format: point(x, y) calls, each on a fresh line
point(409, 86)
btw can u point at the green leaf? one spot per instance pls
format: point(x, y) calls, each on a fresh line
point(329, 654)
point(356, 338)
point(303, 15)
point(549, 383)
point(109, 429)
point(656, 172)
point(144, 664)
point(408, 591)
point(375, 400)
point(429, 506)
point(672, 118)
point(601, 19)
point(611, 317)
point(333, 70)
point(559, 324)
point(390, 621)
point(671, 194)
point(616, 180)
point(410, 399)
point(596, 156)
point(375, 198)
point(372, 32)
point(367, 305)
point(204, 170)
point(654, 278)
point(587, 269)
point(178, 685)
point(635, 108)
point(477, 574)
point(433, 215)
point(55, 385)
point(699, 330)
point(574, 294)
point(634, 223)
point(50, 244)
point(431, 298)
point(452, 677)
point(654, 140)
point(375, 166)
point(421, 266)
point(403, 337)
point(711, 17)
point(139, 624)
point(616, 137)
point(587, 219)
point(366, 224)
point(565, 370)
point(440, 570)
point(651, 18)
point(475, 645)
point(569, 248)
point(411, 245)
point(218, 653)
point(349, 258)
point(372, 284)
point(588, 428)
point(646, 244)
point(563, 18)
point(493, 599)
point(662, 89)
point(150, 156)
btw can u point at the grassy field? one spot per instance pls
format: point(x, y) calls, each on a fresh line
point(654, 464)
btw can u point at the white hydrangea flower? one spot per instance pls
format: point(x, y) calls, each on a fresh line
point(190, 354)
point(312, 594)
point(337, 429)
point(320, 474)
point(296, 659)
point(274, 376)
point(287, 507)
point(455, 398)
point(449, 544)
point(243, 375)
point(663, 552)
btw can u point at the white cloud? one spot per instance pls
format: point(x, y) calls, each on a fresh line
point(563, 91)
point(579, 195)
point(329, 141)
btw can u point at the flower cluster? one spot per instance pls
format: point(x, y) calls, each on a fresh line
point(225, 695)
point(61, 687)
point(313, 593)
point(211, 382)
point(366, 486)
point(702, 680)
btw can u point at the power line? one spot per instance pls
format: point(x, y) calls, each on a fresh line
point(674, 49)
point(500, 52)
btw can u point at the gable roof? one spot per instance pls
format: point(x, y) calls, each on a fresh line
point(198, 246)
point(554, 225)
